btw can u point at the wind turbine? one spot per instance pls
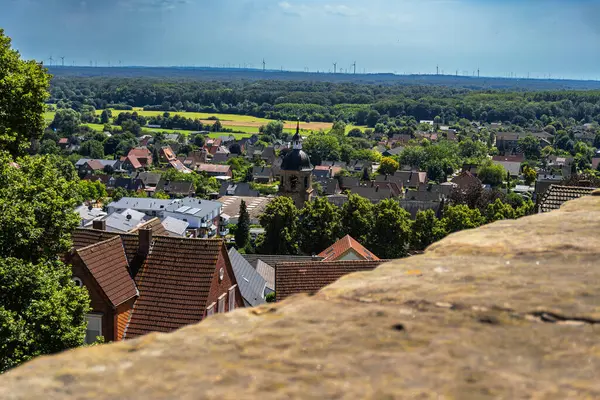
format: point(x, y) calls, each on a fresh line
point(51, 60)
point(354, 66)
point(334, 67)
point(62, 59)
point(264, 65)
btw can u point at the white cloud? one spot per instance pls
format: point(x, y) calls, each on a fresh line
point(340, 10)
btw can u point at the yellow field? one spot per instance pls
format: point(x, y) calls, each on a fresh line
point(244, 123)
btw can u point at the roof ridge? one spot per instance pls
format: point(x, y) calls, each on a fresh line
point(88, 247)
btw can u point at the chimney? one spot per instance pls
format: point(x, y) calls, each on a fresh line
point(145, 240)
point(99, 225)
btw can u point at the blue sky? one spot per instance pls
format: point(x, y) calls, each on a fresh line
point(539, 37)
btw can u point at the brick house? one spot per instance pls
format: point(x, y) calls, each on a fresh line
point(141, 283)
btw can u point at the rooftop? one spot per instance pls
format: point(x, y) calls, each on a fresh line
point(557, 195)
point(341, 248)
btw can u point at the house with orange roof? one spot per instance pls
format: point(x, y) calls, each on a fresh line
point(347, 248)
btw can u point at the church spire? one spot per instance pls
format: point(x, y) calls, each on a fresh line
point(297, 139)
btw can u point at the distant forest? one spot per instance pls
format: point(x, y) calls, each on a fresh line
point(363, 101)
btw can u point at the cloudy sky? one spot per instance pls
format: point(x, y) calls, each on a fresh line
point(539, 37)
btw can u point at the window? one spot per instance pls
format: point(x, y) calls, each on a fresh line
point(222, 303)
point(232, 298)
point(94, 327)
point(210, 310)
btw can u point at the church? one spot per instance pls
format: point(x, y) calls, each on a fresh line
point(296, 173)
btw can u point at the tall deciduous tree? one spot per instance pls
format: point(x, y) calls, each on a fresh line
point(242, 233)
point(426, 229)
point(388, 166)
point(390, 234)
point(23, 90)
point(357, 218)
point(319, 225)
point(41, 310)
point(490, 173)
point(36, 207)
point(280, 221)
point(460, 217)
point(66, 121)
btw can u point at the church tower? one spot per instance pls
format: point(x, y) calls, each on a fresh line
point(296, 173)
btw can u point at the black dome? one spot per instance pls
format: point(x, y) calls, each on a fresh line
point(296, 160)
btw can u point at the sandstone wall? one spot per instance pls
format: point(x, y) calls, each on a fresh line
point(510, 310)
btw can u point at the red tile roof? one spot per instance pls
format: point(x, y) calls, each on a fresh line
point(214, 168)
point(85, 237)
point(168, 153)
point(310, 277)
point(174, 284)
point(513, 158)
point(107, 263)
point(63, 140)
point(141, 152)
point(95, 165)
point(343, 246)
point(135, 163)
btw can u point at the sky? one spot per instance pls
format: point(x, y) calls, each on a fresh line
point(542, 38)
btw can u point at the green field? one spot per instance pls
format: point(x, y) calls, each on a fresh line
point(245, 124)
point(100, 128)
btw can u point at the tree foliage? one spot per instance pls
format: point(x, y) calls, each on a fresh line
point(426, 229)
point(23, 91)
point(242, 232)
point(461, 217)
point(491, 173)
point(37, 199)
point(390, 235)
point(319, 225)
point(41, 310)
point(280, 221)
point(357, 217)
point(388, 166)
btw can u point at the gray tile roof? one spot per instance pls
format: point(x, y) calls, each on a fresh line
point(251, 284)
point(267, 272)
point(557, 195)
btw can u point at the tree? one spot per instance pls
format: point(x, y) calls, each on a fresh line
point(93, 149)
point(372, 118)
point(529, 174)
point(390, 233)
point(49, 146)
point(321, 146)
point(217, 126)
point(42, 311)
point(319, 225)
point(242, 232)
point(388, 166)
point(498, 211)
point(105, 116)
point(66, 121)
point(426, 229)
point(461, 217)
point(530, 145)
point(119, 193)
point(274, 128)
point(355, 132)
point(280, 223)
point(91, 190)
point(357, 218)
point(24, 89)
point(490, 173)
point(160, 194)
point(37, 200)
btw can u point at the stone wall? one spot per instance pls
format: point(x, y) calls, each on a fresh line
point(510, 310)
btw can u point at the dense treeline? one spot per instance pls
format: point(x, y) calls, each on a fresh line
point(326, 101)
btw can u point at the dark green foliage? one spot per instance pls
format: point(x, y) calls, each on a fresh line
point(319, 225)
point(23, 91)
point(426, 229)
point(390, 233)
point(357, 218)
point(41, 310)
point(280, 221)
point(36, 207)
point(460, 217)
point(242, 232)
